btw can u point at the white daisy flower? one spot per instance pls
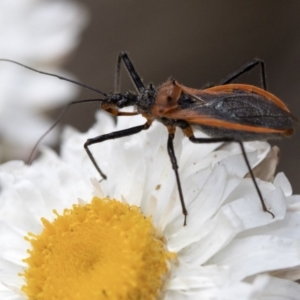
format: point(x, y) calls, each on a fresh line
point(136, 247)
point(41, 34)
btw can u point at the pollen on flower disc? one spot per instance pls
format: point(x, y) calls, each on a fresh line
point(102, 250)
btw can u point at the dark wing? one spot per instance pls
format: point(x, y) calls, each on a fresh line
point(248, 109)
point(237, 107)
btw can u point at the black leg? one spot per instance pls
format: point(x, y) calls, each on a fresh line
point(175, 168)
point(117, 85)
point(217, 140)
point(254, 180)
point(247, 67)
point(110, 136)
point(132, 73)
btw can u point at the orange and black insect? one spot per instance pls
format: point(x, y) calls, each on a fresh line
point(225, 112)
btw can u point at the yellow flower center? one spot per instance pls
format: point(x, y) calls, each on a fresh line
point(102, 250)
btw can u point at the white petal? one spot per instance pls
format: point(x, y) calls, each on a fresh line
point(282, 182)
point(252, 255)
point(280, 289)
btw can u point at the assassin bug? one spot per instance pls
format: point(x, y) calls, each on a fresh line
point(225, 112)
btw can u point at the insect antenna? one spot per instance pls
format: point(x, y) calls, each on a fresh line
point(61, 115)
point(55, 75)
point(29, 161)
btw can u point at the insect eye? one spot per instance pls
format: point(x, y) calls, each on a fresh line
point(116, 97)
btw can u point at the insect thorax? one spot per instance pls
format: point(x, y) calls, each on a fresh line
point(146, 100)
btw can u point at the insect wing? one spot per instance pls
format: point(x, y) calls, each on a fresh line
point(237, 110)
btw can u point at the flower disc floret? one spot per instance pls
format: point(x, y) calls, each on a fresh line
point(103, 250)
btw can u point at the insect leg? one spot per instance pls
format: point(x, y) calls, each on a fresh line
point(189, 133)
point(246, 68)
point(132, 73)
point(254, 180)
point(173, 159)
point(110, 136)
